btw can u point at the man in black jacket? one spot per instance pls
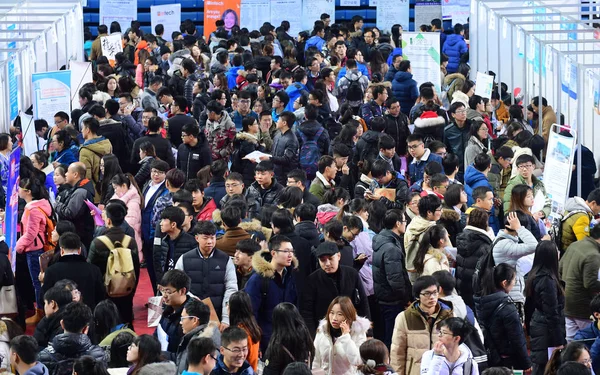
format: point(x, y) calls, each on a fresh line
point(174, 287)
point(161, 145)
point(396, 125)
point(390, 278)
point(178, 120)
point(330, 281)
point(55, 300)
point(366, 147)
point(114, 131)
point(175, 242)
point(305, 215)
point(193, 154)
point(265, 190)
point(285, 147)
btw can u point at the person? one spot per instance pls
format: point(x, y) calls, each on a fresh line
point(374, 108)
point(66, 150)
point(339, 336)
point(202, 204)
point(575, 269)
point(274, 282)
point(194, 325)
point(153, 135)
point(147, 155)
point(284, 154)
point(233, 353)
point(216, 186)
point(206, 257)
point(73, 207)
point(55, 300)
point(128, 193)
point(418, 321)
point(240, 315)
point(231, 218)
point(92, 150)
point(454, 47)
point(404, 87)
point(118, 364)
point(473, 243)
point(73, 266)
point(193, 152)
point(431, 255)
point(291, 340)
point(544, 305)
point(576, 222)
point(174, 243)
point(325, 177)
point(174, 182)
point(352, 85)
point(88, 365)
point(35, 219)
point(265, 189)
point(178, 119)
point(457, 134)
point(108, 324)
point(100, 253)
point(201, 357)
point(246, 141)
point(219, 131)
point(390, 280)
point(23, 356)
point(174, 288)
point(478, 143)
point(65, 348)
point(421, 156)
point(500, 319)
point(144, 354)
point(522, 200)
point(499, 174)
point(573, 353)
point(297, 177)
point(547, 114)
point(244, 251)
point(396, 125)
point(329, 281)
point(430, 211)
point(375, 358)
point(525, 164)
point(450, 354)
point(483, 198)
point(385, 177)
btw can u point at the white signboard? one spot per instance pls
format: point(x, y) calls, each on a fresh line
point(423, 52)
point(111, 45)
point(312, 10)
point(122, 11)
point(168, 15)
point(391, 12)
point(290, 10)
point(484, 85)
point(81, 73)
point(252, 13)
point(558, 168)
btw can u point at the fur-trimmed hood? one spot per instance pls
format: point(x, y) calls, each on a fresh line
point(261, 263)
point(243, 136)
point(252, 225)
point(360, 326)
point(429, 119)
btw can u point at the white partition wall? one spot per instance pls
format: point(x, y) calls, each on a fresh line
point(35, 36)
point(546, 49)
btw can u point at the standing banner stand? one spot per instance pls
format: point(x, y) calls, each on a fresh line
point(558, 169)
point(169, 15)
point(12, 206)
point(51, 92)
point(423, 51)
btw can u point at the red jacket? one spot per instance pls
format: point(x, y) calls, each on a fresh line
point(207, 211)
point(33, 226)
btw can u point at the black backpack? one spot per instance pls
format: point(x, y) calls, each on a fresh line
point(493, 356)
point(485, 262)
point(556, 228)
point(355, 91)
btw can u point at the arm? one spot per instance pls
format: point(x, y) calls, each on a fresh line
point(99, 289)
point(27, 241)
point(581, 227)
point(230, 288)
point(179, 265)
point(518, 250)
point(393, 265)
point(289, 155)
point(514, 330)
point(399, 345)
point(366, 114)
point(85, 158)
point(345, 344)
point(590, 274)
point(431, 364)
point(507, 194)
point(71, 210)
point(93, 256)
point(306, 307)
point(317, 361)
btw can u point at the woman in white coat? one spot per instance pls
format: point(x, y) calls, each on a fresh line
point(339, 337)
point(127, 191)
point(449, 355)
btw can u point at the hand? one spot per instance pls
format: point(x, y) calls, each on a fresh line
point(264, 157)
point(55, 164)
point(93, 213)
point(346, 169)
point(360, 259)
point(222, 326)
point(529, 370)
point(438, 348)
point(127, 111)
point(538, 215)
point(344, 327)
point(513, 221)
point(41, 277)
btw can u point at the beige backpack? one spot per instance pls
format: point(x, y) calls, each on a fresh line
point(120, 273)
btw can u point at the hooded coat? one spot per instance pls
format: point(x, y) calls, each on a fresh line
point(294, 91)
point(471, 244)
point(412, 237)
point(90, 154)
point(453, 83)
point(576, 226)
point(454, 47)
point(341, 356)
point(33, 225)
point(405, 89)
point(366, 147)
point(390, 279)
point(65, 349)
point(132, 200)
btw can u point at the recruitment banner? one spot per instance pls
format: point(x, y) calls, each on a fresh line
point(81, 73)
point(558, 168)
point(122, 11)
point(484, 85)
point(12, 205)
point(456, 10)
point(312, 10)
point(290, 10)
point(51, 93)
point(423, 51)
point(111, 45)
point(391, 12)
point(226, 10)
point(253, 12)
point(168, 15)
point(427, 10)
point(13, 86)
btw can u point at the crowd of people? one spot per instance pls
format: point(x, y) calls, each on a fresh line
point(302, 206)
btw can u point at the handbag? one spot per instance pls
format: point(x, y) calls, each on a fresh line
point(8, 299)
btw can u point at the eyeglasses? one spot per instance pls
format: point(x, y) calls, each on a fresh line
point(146, 118)
point(285, 251)
point(186, 317)
point(213, 356)
point(461, 111)
point(237, 351)
point(525, 166)
point(154, 171)
point(412, 147)
point(429, 294)
point(167, 292)
point(245, 101)
point(231, 186)
point(442, 333)
point(438, 209)
point(586, 361)
point(442, 154)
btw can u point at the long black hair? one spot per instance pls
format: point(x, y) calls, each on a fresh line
point(290, 331)
point(492, 280)
point(431, 238)
point(106, 317)
point(546, 258)
point(111, 169)
point(240, 314)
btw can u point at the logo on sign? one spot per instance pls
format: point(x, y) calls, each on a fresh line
point(166, 13)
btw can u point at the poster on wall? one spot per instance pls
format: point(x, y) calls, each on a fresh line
point(12, 206)
point(427, 10)
point(51, 93)
point(122, 11)
point(226, 10)
point(312, 10)
point(252, 13)
point(456, 10)
point(391, 12)
point(290, 10)
point(168, 15)
point(423, 51)
point(484, 85)
point(558, 168)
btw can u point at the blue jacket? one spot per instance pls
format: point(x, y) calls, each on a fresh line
point(591, 338)
point(216, 190)
point(454, 47)
point(443, 37)
point(415, 170)
point(238, 118)
point(147, 228)
point(294, 91)
point(67, 156)
point(232, 75)
point(221, 368)
point(405, 89)
point(315, 41)
point(361, 68)
point(397, 51)
point(473, 180)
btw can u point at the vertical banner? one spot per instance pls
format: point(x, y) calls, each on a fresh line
point(253, 11)
point(111, 45)
point(423, 51)
point(51, 93)
point(456, 10)
point(484, 85)
point(597, 96)
point(558, 168)
point(226, 10)
point(312, 10)
point(12, 205)
point(122, 11)
point(290, 10)
point(81, 73)
point(13, 86)
point(427, 10)
point(168, 15)
point(391, 12)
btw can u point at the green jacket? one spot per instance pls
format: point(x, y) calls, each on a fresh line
point(579, 270)
point(319, 187)
point(537, 186)
point(498, 178)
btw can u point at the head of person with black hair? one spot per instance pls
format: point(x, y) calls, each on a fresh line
point(430, 207)
point(291, 197)
point(455, 196)
point(55, 299)
point(201, 356)
point(501, 278)
point(194, 315)
point(158, 169)
point(196, 188)
point(452, 333)
point(244, 251)
point(290, 331)
point(535, 104)
point(381, 172)
point(234, 351)
point(23, 352)
point(483, 197)
point(574, 353)
point(305, 212)
point(282, 222)
point(144, 350)
point(375, 358)
point(174, 286)
point(175, 179)
point(154, 124)
point(439, 184)
point(574, 368)
point(352, 227)
point(264, 175)
point(171, 221)
point(483, 163)
point(426, 290)
point(438, 148)
point(337, 197)
point(106, 319)
point(118, 350)
point(377, 212)
point(504, 156)
point(31, 189)
point(434, 238)
point(206, 236)
point(240, 315)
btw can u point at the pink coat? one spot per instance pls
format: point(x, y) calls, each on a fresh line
point(33, 226)
point(134, 212)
